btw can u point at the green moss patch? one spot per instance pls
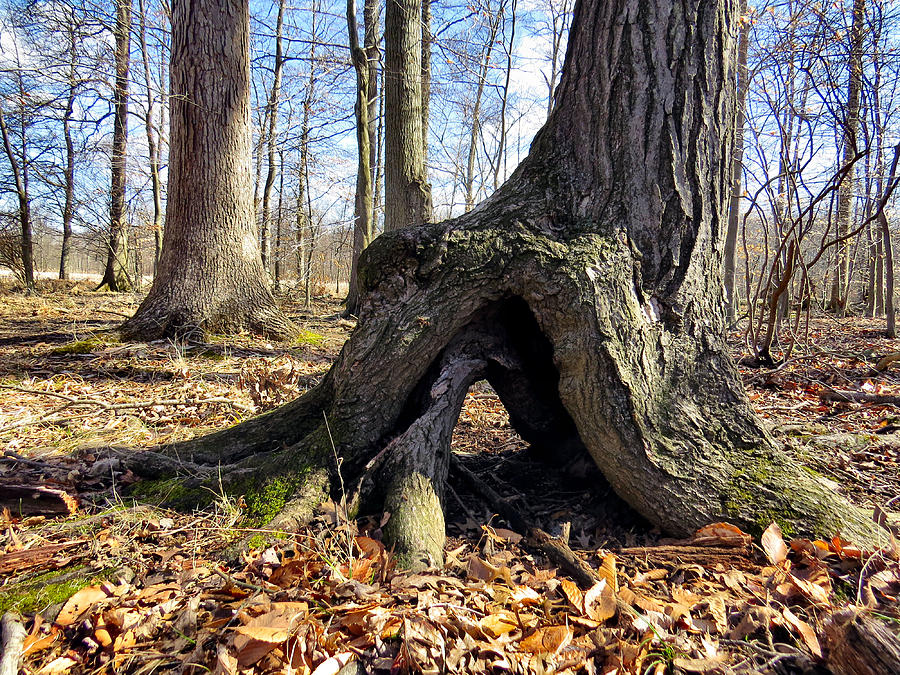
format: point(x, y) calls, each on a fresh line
point(309, 338)
point(38, 593)
point(88, 346)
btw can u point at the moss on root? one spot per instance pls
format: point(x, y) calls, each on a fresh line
point(50, 588)
point(767, 489)
point(87, 346)
point(309, 338)
point(267, 498)
point(172, 493)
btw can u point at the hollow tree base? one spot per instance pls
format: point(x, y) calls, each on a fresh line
point(580, 358)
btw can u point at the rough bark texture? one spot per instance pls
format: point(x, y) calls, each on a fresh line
point(407, 194)
point(860, 645)
point(115, 274)
point(210, 276)
point(587, 291)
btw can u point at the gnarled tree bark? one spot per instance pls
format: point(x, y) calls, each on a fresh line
point(587, 291)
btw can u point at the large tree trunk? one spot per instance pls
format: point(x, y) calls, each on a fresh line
point(115, 274)
point(587, 291)
point(210, 275)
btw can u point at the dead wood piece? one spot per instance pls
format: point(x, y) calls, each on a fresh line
point(10, 456)
point(555, 549)
point(31, 500)
point(859, 397)
point(12, 641)
point(672, 552)
point(559, 552)
point(860, 645)
point(887, 360)
point(732, 558)
point(41, 557)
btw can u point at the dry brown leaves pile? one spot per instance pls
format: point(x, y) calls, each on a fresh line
point(332, 597)
point(330, 600)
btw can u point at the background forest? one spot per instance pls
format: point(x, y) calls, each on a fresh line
point(813, 197)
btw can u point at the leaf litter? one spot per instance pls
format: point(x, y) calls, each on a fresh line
point(163, 591)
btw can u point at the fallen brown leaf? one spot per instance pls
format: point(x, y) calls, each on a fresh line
point(773, 544)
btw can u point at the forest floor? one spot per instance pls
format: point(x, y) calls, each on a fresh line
point(154, 590)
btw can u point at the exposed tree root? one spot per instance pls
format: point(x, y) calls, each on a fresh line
point(579, 361)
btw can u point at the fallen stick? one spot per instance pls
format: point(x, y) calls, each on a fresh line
point(12, 642)
point(859, 397)
point(555, 549)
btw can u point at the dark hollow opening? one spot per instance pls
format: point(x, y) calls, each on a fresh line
point(542, 462)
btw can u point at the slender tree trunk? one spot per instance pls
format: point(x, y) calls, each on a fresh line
point(211, 277)
point(426, 76)
point(150, 129)
point(364, 218)
point(276, 254)
point(304, 198)
point(257, 182)
point(890, 322)
point(475, 129)
point(271, 131)
point(18, 165)
point(840, 284)
point(734, 211)
point(378, 162)
point(115, 275)
point(587, 290)
point(407, 200)
point(501, 144)
point(559, 18)
point(68, 213)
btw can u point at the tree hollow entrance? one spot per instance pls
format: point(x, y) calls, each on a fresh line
point(557, 496)
point(503, 345)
